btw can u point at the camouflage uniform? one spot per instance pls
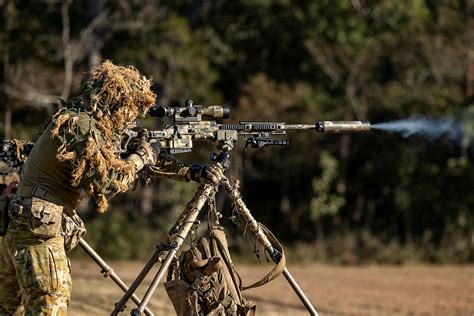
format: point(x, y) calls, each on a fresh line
point(77, 154)
point(35, 273)
point(10, 295)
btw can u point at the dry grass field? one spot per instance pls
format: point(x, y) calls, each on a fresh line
point(334, 290)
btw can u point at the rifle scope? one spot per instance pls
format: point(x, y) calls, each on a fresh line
point(343, 126)
point(190, 110)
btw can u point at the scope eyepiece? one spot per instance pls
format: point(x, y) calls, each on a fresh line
point(226, 112)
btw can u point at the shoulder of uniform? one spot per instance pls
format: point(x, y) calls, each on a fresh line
point(85, 123)
point(78, 125)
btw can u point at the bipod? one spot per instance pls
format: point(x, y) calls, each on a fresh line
point(177, 235)
point(107, 271)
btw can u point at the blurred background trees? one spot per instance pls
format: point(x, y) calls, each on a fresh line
point(346, 198)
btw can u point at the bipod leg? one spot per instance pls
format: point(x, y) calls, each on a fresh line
point(107, 271)
point(252, 224)
point(176, 237)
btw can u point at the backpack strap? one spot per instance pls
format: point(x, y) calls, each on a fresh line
point(218, 239)
point(280, 266)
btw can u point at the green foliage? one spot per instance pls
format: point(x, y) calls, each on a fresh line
point(113, 236)
point(372, 197)
point(326, 203)
point(176, 58)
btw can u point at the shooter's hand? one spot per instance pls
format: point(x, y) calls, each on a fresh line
point(213, 173)
point(145, 154)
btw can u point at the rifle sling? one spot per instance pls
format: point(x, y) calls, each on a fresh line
point(279, 267)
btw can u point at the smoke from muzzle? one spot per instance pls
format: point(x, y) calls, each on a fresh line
point(431, 128)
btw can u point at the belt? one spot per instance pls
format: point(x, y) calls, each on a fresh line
point(39, 192)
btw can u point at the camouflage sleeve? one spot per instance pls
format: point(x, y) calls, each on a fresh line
point(168, 166)
point(116, 182)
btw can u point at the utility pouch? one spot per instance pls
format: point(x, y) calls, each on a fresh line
point(44, 218)
point(72, 229)
point(4, 219)
point(184, 299)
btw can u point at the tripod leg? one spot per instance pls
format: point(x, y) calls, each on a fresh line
point(108, 271)
point(120, 306)
point(299, 292)
point(155, 283)
point(252, 224)
point(177, 236)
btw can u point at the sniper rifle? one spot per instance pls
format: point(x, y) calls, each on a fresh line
point(194, 122)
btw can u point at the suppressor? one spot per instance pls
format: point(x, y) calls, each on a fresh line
point(343, 126)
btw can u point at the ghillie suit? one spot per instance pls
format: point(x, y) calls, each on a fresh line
point(76, 154)
point(88, 129)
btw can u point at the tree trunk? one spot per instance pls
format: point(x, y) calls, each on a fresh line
point(470, 49)
point(94, 8)
point(320, 238)
point(7, 131)
point(68, 62)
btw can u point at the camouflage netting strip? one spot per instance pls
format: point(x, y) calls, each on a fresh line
point(18, 146)
point(114, 96)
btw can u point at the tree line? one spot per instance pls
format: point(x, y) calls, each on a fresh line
point(348, 198)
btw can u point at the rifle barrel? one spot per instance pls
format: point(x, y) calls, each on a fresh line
point(300, 126)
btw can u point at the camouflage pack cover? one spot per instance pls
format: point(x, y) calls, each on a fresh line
point(205, 282)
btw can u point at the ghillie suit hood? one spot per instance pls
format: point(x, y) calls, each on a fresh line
point(112, 98)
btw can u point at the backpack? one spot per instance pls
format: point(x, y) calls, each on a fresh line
point(204, 280)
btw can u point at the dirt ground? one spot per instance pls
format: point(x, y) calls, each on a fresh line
point(334, 290)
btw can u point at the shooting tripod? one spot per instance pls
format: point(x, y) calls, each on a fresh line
point(183, 226)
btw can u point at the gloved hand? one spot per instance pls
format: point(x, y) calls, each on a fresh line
point(213, 173)
point(145, 154)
